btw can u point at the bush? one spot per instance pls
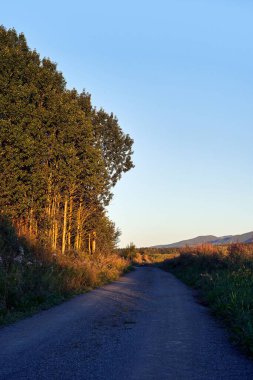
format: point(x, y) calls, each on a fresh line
point(129, 252)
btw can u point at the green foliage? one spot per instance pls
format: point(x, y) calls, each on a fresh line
point(59, 156)
point(224, 277)
point(59, 159)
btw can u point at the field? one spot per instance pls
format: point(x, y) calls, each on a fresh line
point(224, 277)
point(145, 256)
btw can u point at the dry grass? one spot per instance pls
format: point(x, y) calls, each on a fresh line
point(32, 278)
point(153, 258)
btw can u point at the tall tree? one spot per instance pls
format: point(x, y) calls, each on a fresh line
point(59, 156)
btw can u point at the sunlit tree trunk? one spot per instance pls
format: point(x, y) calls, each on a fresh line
point(52, 229)
point(89, 244)
point(31, 223)
point(78, 228)
point(64, 230)
point(70, 220)
point(55, 234)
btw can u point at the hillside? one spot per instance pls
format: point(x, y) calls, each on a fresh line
point(243, 238)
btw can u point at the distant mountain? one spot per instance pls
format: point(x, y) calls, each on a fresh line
point(244, 238)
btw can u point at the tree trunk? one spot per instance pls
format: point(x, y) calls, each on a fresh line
point(36, 228)
point(52, 221)
point(89, 244)
point(55, 234)
point(64, 230)
point(70, 220)
point(78, 227)
point(31, 223)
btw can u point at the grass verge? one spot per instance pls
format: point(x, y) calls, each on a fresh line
point(224, 277)
point(32, 286)
point(32, 278)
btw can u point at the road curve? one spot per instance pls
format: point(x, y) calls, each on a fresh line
point(146, 326)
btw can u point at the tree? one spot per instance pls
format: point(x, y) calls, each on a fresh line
point(60, 157)
point(115, 146)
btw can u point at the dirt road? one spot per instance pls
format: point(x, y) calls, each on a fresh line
point(147, 326)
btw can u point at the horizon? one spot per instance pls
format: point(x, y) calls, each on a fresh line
point(178, 76)
point(198, 236)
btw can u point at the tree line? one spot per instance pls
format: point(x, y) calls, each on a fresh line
point(59, 156)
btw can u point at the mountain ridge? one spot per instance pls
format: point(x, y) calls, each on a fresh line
point(211, 239)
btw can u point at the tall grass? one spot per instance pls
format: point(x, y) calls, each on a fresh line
point(152, 258)
point(32, 278)
point(224, 276)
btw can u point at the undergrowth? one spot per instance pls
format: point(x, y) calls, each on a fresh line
point(31, 278)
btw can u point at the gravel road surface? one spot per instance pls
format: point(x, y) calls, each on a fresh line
point(146, 326)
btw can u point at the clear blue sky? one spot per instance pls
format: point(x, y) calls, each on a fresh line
point(179, 76)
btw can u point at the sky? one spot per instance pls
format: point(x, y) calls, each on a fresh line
point(178, 74)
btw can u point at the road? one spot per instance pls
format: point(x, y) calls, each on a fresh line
point(146, 326)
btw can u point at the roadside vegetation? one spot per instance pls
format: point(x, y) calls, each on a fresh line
point(224, 277)
point(32, 278)
point(60, 158)
point(144, 256)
